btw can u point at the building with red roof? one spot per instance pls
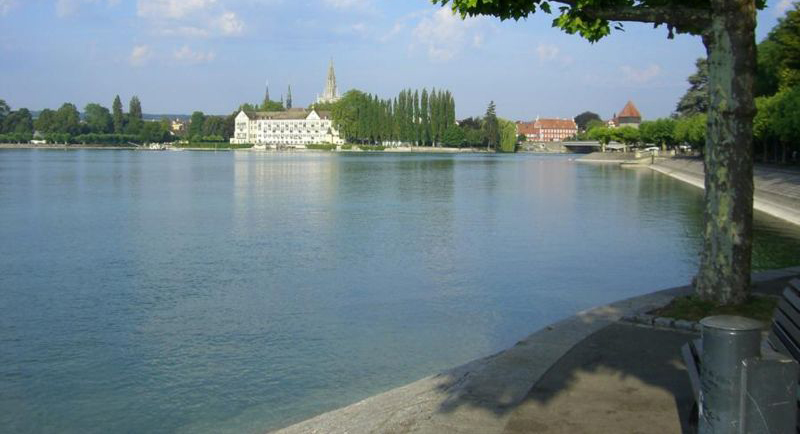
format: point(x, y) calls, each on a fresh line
point(547, 130)
point(628, 117)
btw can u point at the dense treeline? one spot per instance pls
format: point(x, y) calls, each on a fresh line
point(776, 127)
point(15, 126)
point(418, 118)
point(666, 132)
point(211, 129)
point(98, 126)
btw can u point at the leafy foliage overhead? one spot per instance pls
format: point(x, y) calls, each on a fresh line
point(593, 19)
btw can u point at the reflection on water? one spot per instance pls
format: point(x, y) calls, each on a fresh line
point(238, 292)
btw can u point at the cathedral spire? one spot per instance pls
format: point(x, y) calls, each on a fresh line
point(266, 95)
point(289, 98)
point(331, 93)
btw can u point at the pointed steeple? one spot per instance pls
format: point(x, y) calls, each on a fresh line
point(331, 93)
point(289, 98)
point(266, 95)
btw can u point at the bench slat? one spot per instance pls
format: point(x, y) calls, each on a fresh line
point(776, 342)
point(788, 343)
point(790, 312)
point(791, 297)
point(795, 283)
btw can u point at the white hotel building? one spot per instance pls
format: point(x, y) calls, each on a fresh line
point(292, 128)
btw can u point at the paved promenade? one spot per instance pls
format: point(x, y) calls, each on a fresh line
point(590, 373)
point(777, 190)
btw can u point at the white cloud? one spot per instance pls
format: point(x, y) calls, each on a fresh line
point(347, 4)
point(190, 18)
point(445, 35)
point(140, 55)
point(65, 8)
point(6, 6)
point(186, 54)
point(171, 9)
point(642, 75)
point(551, 54)
point(185, 31)
point(230, 24)
point(547, 52)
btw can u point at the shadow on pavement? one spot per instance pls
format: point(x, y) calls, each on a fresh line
point(623, 378)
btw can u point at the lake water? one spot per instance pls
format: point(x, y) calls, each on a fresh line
point(241, 291)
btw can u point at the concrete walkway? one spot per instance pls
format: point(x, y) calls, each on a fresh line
point(777, 190)
point(622, 379)
point(587, 373)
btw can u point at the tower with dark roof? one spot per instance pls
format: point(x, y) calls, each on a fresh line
point(629, 116)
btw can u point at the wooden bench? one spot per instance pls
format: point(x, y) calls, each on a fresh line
point(784, 338)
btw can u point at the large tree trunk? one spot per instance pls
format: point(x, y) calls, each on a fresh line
point(724, 275)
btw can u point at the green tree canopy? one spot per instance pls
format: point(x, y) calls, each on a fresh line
point(583, 119)
point(67, 120)
point(602, 134)
point(453, 136)
point(46, 122)
point(118, 116)
point(196, 125)
point(98, 118)
point(214, 126)
point(135, 108)
point(491, 127)
point(18, 122)
point(4, 111)
point(272, 106)
point(691, 130)
point(660, 132)
point(508, 135)
point(695, 100)
point(135, 121)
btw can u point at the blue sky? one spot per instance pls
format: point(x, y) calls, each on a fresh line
point(211, 55)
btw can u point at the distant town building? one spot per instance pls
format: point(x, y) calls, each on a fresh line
point(331, 93)
point(628, 117)
point(290, 128)
point(528, 130)
point(178, 126)
point(547, 130)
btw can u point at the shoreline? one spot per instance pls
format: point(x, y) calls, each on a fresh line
point(777, 193)
point(476, 396)
point(401, 149)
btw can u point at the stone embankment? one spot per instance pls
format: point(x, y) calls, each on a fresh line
point(477, 397)
point(490, 395)
point(611, 157)
point(777, 191)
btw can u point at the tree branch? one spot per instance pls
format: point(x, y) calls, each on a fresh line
point(681, 17)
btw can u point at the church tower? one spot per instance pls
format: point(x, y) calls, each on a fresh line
point(289, 98)
point(266, 95)
point(331, 93)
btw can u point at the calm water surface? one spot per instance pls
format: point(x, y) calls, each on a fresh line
point(237, 292)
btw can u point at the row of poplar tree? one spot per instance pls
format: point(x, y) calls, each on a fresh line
point(413, 117)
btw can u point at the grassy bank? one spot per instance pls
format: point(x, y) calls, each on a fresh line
point(691, 308)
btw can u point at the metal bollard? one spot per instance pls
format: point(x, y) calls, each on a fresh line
point(727, 340)
point(769, 394)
